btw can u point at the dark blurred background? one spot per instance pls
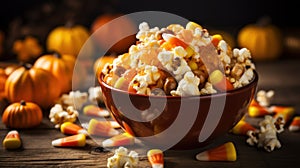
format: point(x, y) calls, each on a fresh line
point(38, 17)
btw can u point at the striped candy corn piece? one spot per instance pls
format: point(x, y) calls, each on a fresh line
point(70, 128)
point(123, 139)
point(242, 127)
point(12, 140)
point(156, 158)
point(93, 110)
point(114, 124)
point(285, 112)
point(70, 141)
point(256, 110)
point(295, 124)
point(225, 152)
point(101, 128)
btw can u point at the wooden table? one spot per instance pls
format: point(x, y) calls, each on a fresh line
point(281, 76)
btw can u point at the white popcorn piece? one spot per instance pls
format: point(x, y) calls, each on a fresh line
point(188, 86)
point(58, 115)
point(264, 98)
point(266, 137)
point(123, 159)
point(149, 76)
point(75, 99)
point(95, 94)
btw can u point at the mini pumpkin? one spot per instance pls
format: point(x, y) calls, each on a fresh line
point(68, 39)
point(263, 39)
point(27, 50)
point(61, 66)
point(32, 84)
point(22, 115)
point(114, 36)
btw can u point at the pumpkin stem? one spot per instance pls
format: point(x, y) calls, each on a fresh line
point(27, 66)
point(264, 21)
point(69, 23)
point(23, 103)
point(56, 54)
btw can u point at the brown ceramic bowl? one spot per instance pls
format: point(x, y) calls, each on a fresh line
point(178, 122)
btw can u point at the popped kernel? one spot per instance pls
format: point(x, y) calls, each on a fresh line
point(187, 86)
point(266, 137)
point(74, 98)
point(122, 158)
point(58, 115)
point(95, 94)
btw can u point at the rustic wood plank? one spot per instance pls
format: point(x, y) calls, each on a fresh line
point(281, 76)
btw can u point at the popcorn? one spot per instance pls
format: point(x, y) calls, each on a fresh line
point(95, 94)
point(266, 137)
point(141, 81)
point(264, 98)
point(187, 86)
point(122, 158)
point(58, 115)
point(74, 98)
point(176, 51)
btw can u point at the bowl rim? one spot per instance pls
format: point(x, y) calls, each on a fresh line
point(253, 82)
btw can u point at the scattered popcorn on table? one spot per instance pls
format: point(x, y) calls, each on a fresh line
point(264, 98)
point(58, 115)
point(266, 137)
point(74, 98)
point(123, 159)
point(95, 94)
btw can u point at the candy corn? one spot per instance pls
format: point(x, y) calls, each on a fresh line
point(12, 140)
point(156, 158)
point(70, 141)
point(119, 140)
point(225, 152)
point(172, 41)
point(93, 110)
point(219, 81)
point(256, 110)
point(284, 111)
point(101, 128)
point(242, 127)
point(70, 128)
point(114, 124)
point(216, 39)
point(295, 124)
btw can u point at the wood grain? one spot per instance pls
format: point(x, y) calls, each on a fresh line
point(281, 76)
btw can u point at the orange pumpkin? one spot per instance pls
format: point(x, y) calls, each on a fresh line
point(22, 115)
point(61, 66)
point(68, 39)
point(114, 32)
point(27, 50)
point(32, 84)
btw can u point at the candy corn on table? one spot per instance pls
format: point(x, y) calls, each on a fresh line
point(38, 145)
